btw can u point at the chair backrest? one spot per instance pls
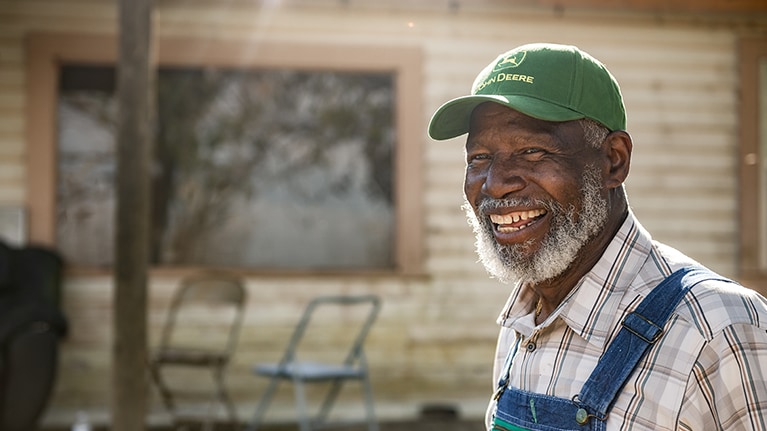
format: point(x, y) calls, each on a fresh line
point(205, 314)
point(333, 329)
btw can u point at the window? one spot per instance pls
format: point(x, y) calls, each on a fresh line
point(753, 172)
point(253, 169)
point(262, 165)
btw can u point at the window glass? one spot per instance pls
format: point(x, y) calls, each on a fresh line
point(267, 168)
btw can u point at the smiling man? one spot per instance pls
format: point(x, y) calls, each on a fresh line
point(604, 328)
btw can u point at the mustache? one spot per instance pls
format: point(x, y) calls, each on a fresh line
point(488, 204)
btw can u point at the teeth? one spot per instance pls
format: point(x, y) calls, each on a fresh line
point(511, 228)
point(515, 217)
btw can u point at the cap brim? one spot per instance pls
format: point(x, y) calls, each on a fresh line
point(452, 118)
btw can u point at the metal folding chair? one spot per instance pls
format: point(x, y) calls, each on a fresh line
point(200, 331)
point(316, 332)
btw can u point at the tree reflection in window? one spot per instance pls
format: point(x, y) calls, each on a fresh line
point(253, 168)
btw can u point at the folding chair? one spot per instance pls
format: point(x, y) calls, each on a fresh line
point(200, 331)
point(351, 364)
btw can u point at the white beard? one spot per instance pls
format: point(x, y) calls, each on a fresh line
point(567, 236)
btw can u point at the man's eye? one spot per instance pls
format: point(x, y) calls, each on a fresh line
point(477, 157)
point(533, 150)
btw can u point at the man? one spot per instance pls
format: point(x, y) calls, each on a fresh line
point(547, 155)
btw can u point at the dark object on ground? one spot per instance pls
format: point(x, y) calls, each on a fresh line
point(31, 325)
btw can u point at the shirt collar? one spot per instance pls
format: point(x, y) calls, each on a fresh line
point(591, 306)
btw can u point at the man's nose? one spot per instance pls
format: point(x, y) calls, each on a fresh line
point(504, 177)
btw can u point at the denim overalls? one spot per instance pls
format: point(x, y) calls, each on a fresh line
point(519, 410)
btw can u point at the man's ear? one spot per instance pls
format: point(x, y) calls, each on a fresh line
point(617, 147)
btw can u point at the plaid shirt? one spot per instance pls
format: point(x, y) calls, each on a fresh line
point(709, 371)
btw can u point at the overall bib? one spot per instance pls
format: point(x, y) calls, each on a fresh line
point(519, 410)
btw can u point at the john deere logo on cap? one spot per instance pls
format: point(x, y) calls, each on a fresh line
point(511, 60)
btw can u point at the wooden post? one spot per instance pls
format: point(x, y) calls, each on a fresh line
point(134, 152)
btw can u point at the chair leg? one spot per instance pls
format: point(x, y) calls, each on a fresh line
point(208, 420)
point(304, 419)
point(266, 399)
point(329, 401)
point(367, 388)
point(332, 395)
point(165, 393)
point(223, 396)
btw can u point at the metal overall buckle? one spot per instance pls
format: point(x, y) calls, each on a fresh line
point(582, 416)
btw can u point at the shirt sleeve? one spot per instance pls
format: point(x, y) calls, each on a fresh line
point(728, 384)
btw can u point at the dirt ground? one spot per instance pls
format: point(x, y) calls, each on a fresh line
point(415, 425)
point(436, 422)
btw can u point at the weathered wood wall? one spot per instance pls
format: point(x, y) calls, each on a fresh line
point(435, 337)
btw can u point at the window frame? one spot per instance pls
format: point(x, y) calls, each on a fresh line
point(47, 52)
point(751, 50)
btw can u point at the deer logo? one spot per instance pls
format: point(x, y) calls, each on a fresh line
point(511, 60)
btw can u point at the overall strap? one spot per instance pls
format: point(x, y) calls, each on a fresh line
point(640, 329)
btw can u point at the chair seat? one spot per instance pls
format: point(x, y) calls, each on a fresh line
point(189, 357)
point(340, 319)
point(309, 371)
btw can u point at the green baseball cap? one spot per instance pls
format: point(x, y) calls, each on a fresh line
point(545, 81)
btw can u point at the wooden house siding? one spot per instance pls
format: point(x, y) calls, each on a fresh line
point(435, 338)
